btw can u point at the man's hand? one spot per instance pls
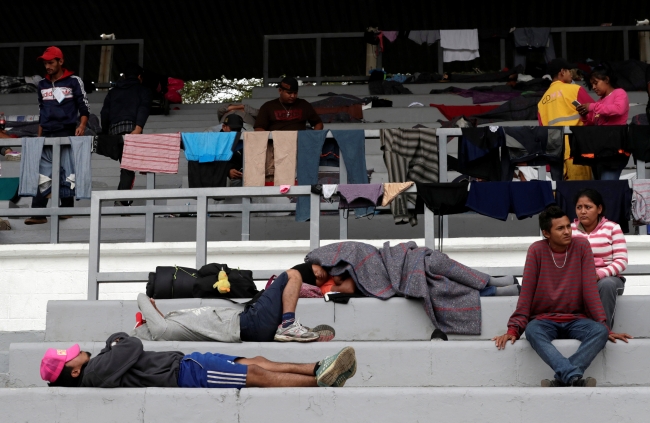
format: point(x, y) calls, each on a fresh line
point(81, 129)
point(501, 341)
point(622, 336)
point(583, 109)
point(137, 130)
point(234, 174)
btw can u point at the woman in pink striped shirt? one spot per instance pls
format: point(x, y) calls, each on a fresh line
point(612, 108)
point(607, 244)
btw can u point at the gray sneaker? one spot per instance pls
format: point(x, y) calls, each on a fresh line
point(336, 369)
point(325, 332)
point(296, 332)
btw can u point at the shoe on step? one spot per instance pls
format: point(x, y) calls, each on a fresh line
point(325, 332)
point(588, 382)
point(36, 220)
point(295, 332)
point(336, 369)
point(552, 383)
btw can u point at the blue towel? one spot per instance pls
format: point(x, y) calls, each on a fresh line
point(206, 147)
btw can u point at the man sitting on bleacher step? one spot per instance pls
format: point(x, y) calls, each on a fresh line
point(271, 317)
point(559, 300)
point(123, 363)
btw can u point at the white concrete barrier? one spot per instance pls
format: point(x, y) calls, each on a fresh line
point(314, 405)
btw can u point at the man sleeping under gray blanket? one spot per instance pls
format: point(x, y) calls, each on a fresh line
point(449, 289)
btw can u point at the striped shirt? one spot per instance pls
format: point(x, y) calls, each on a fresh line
point(607, 244)
point(558, 294)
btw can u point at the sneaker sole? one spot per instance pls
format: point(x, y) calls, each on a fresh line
point(343, 363)
point(12, 158)
point(284, 338)
point(340, 381)
point(325, 333)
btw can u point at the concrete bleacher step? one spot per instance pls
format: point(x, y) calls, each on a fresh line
point(362, 319)
point(300, 405)
point(393, 363)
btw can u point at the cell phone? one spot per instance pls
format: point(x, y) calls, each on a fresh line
point(576, 103)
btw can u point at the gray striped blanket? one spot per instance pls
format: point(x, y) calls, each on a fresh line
point(449, 290)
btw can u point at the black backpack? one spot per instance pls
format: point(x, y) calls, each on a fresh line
point(241, 282)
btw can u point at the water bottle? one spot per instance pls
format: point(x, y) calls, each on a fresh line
point(3, 121)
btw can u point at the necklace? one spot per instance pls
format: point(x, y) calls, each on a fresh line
point(285, 109)
point(566, 254)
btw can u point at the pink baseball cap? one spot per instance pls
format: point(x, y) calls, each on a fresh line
point(54, 360)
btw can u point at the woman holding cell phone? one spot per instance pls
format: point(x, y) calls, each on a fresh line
point(611, 109)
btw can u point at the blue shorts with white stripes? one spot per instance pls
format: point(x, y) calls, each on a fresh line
point(211, 371)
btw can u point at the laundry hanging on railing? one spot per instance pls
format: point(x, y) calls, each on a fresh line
point(208, 157)
point(599, 145)
point(641, 200)
point(157, 153)
point(256, 146)
point(617, 199)
point(498, 199)
point(428, 36)
point(409, 155)
point(638, 142)
point(459, 44)
point(392, 190)
point(75, 177)
point(444, 198)
point(478, 153)
point(534, 146)
point(532, 39)
point(351, 143)
point(205, 147)
point(110, 146)
point(363, 196)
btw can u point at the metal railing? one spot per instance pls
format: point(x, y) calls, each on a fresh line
point(82, 53)
point(201, 195)
point(319, 78)
point(502, 46)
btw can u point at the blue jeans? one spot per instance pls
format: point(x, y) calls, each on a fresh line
point(593, 336)
point(352, 144)
point(260, 320)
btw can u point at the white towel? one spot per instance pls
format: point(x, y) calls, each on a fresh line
point(459, 44)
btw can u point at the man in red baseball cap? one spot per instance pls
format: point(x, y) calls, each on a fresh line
point(62, 101)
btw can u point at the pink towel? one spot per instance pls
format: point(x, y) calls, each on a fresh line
point(156, 153)
point(390, 35)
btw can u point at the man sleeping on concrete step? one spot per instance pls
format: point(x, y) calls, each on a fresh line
point(123, 363)
point(271, 317)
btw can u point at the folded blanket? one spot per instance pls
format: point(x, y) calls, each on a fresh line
point(450, 290)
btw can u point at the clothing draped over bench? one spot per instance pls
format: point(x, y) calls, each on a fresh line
point(450, 290)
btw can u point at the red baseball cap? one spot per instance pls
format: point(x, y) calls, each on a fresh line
point(51, 53)
point(54, 360)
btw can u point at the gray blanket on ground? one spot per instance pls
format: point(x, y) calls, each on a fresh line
point(450, 290)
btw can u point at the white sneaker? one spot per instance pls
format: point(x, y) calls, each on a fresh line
point(296, 332)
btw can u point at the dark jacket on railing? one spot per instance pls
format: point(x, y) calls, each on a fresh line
point(127, 101)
